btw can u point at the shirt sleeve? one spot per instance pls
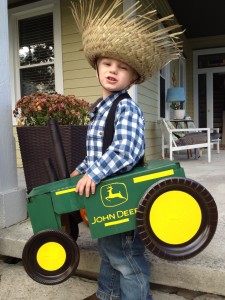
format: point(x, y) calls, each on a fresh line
point(127, 146)
point(82, 167)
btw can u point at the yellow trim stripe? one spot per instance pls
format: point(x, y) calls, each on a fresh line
point(65, 191)
point(117, 222)
point(135, 180)
point(153, 176)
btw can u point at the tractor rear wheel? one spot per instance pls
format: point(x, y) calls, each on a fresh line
point(50, 257)
point(177, 218)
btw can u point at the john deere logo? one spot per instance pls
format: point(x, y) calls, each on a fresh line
point(113, 194)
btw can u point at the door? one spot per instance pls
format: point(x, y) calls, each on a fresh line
point(209, 87)
point(211, 99)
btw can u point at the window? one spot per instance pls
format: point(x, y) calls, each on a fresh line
point(163, 85)
point(162, 95)
point(35, 48)
point(211, 60)
point(36, 54)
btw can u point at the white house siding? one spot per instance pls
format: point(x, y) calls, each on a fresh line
point(148, 100)
point(79, 77)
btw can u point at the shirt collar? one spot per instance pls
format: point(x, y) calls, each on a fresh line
point(110, 98)
point(106, 102)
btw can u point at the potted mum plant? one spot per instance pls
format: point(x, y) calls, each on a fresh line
point(33, 113)
point(178, 108)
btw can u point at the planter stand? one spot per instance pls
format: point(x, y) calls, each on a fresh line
point(36, 147)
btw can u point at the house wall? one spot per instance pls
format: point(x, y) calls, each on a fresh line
point(79, 77)
point(148, 100)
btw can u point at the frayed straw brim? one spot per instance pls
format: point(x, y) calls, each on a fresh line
point(137, 41)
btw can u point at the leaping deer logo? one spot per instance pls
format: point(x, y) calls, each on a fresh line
point(114, 194)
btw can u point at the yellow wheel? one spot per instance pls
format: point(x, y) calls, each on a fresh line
point(50, 257)
point(177, 218)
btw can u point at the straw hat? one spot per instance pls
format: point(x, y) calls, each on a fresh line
point(129, 37)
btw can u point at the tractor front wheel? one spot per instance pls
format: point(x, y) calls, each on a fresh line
point(177, 218)
point(50, 257)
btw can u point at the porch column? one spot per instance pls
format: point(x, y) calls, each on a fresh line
point(13, 208)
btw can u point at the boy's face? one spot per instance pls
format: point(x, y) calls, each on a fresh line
point(114, 75)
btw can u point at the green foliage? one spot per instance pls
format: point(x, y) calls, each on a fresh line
point(177, 105)
point(38, 108)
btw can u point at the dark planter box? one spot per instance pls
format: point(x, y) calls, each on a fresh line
point(36, 146)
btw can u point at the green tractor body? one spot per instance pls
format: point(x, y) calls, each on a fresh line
point(112, 209)
point(176, 217)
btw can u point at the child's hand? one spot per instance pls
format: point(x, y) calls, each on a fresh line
point(87, 184)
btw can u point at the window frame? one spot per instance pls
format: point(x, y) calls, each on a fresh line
point(165, 74)
point(26, 11)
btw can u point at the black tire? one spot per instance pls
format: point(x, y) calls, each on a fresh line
point(171, 202)
point(41, 262)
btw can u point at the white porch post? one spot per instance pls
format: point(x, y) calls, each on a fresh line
point(12, 199)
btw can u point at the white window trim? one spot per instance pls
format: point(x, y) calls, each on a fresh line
point(30, 10)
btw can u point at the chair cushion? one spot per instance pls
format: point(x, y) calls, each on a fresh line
point(196, 138)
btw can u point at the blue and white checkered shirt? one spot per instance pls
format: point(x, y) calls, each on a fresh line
point(128, 143)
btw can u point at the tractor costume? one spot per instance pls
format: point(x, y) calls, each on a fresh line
point(134, 41)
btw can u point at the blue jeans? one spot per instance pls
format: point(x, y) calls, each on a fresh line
point(124, 272)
